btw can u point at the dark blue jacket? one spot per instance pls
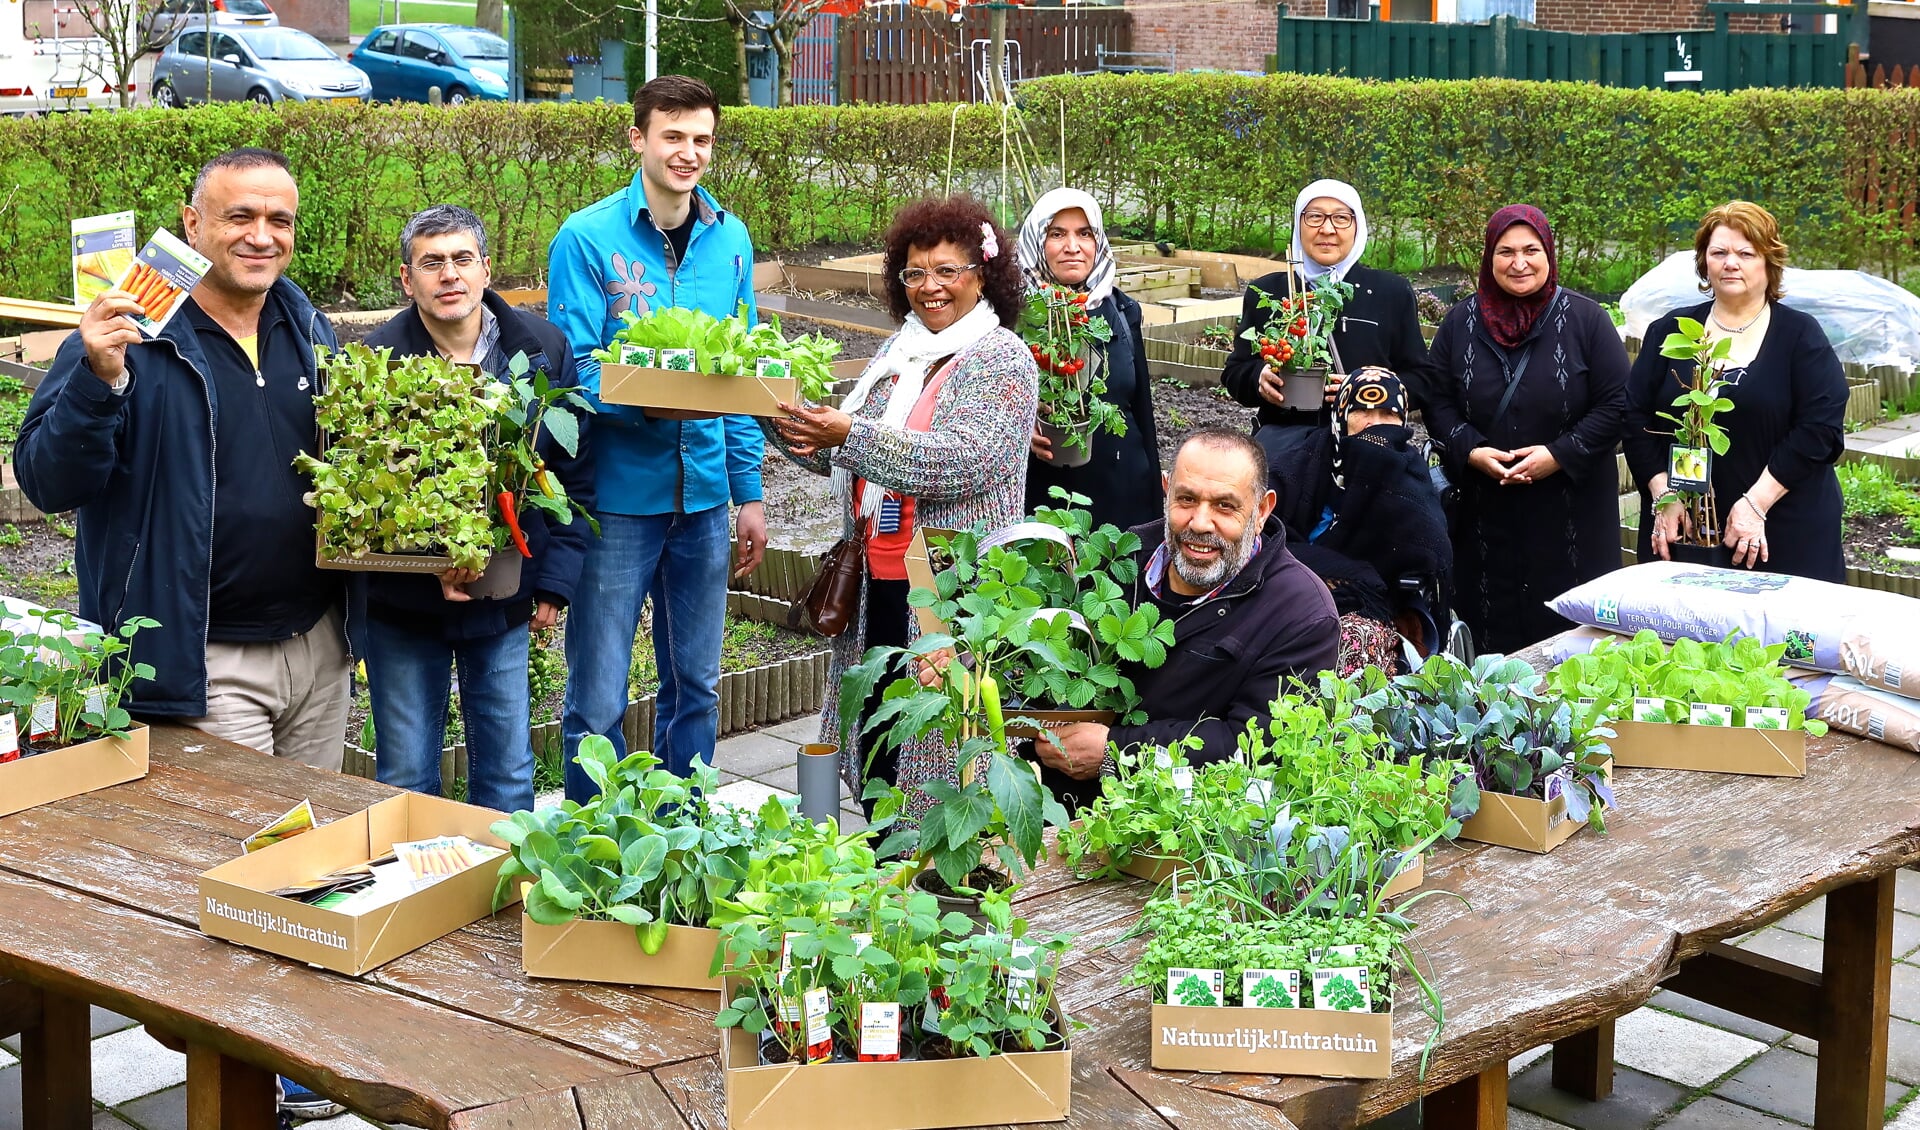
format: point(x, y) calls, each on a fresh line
point(138, 469)
point(558, 549)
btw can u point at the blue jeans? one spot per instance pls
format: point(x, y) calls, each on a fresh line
point(681, 560)
point(407, 678)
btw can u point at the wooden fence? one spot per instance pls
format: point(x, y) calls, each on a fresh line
point(909, 56)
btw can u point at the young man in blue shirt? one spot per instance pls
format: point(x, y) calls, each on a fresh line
point(662, 487)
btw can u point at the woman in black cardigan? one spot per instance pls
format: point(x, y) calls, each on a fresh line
point(1775, 492)
point(1380, 325)
point(1527, 389)
point(1062, 241)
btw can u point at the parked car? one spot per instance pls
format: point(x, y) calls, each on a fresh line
point(266, 65)
point(177, 15)
point(405, 60)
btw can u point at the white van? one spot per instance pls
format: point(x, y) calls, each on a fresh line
point(50, 59)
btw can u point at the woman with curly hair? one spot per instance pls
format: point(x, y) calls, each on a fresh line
point(934, 434)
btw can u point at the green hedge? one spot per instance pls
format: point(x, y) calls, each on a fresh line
point(1206, 160)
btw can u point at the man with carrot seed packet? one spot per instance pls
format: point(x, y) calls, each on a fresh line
point(419, 627)
point(171, 428)
point(662, 487)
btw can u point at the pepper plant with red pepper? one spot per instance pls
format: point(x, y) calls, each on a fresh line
point(1062, 336)
point(1296, 334)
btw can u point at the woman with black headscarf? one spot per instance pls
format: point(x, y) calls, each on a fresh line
point(1526, 389)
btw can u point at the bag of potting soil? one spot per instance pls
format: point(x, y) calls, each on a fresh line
point(1846, 703)
point(1872, 635)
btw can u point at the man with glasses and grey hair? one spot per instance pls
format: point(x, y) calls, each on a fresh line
point(420, 628)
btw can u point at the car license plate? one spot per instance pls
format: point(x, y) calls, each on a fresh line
point(69, 92)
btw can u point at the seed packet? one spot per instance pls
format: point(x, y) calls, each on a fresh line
point(1709, 714)
point(1342, 989)
point(1200, 987)
point(1767, 717)
point(442, 857)
point(160, 278)
point(1270, 988)
point(631, 354)
point(102, 252)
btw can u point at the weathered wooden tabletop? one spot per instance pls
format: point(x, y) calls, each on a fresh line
point(98, 904)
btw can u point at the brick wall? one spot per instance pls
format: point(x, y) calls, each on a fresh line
point(322, 19)
point(1236, 36)
point(1635, 15)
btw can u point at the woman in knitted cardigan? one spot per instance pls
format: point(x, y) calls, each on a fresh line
point(935, 434)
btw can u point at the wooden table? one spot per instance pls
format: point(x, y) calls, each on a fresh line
point(99, 891)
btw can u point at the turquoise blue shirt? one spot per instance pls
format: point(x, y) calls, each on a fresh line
point(609, 258)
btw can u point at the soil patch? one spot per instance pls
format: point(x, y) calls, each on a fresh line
point(36, 562)
point(1867, 539)
point(1179, 410)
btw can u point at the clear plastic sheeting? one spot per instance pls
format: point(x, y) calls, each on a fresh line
point(1869, 320)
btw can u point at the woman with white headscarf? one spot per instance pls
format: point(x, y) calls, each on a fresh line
point(1063, 241)
point(1380, 326)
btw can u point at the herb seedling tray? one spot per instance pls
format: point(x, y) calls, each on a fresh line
point(678, 394)
point(927, 1094)
point(1522, 822)
point(43, 778)
point(610, 952)
point(1158, 869)
point(1272, 1041)
point(1710, 749)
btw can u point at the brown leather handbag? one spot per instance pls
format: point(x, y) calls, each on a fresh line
point(832, 602)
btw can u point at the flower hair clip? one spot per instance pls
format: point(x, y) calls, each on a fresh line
point(989, 243)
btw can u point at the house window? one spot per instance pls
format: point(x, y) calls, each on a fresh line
point(1478, 11)
point(1347, 9)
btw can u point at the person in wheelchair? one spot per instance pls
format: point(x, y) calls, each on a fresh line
point(1361, 511)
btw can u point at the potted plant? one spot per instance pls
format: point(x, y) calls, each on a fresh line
point(1296, 340)
point(1697, 441)
point(1062, 337)
point(520, 480)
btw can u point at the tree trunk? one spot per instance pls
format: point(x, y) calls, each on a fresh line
point(740, 57)
point(492, 15)
point(782, 38)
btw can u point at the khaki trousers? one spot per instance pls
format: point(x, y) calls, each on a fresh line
point(288, 698)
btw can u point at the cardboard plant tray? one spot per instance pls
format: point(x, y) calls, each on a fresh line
point(1522, 822)
point(379, 562)
point(1272, 1041)
point(907, 1095)
point(1051, 718)
point(58, 774)
point(1710, 749)
point(610, 952)
point(679, 395)
point(235, 903)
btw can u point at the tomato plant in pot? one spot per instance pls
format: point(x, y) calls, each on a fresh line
point(1296, 340)
point(1697, 441)
point(1064, 340)
point(521, 482)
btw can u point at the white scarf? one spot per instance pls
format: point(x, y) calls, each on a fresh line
point(1032, 249)
point(909, 356)
point(1343, 192)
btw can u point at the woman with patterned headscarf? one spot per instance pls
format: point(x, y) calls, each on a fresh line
point(1379, 326)
point(1526, 390)
point(1062, 241)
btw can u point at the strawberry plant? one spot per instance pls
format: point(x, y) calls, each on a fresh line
point(729, 346)
point(1296, 335)
point(1063, 338)
point(63, 686)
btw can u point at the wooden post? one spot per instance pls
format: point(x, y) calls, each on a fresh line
point(997, 52)
point(56, 1066)
point(1478, 1102)
point(226, 1094)
point(1583, 1064)
point(1855, 985)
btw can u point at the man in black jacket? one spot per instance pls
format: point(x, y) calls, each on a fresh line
point(1246, 613)
point(177, 452)
point(419, 627)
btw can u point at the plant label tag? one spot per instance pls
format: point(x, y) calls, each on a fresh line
point(96, 701)
point(9, 738)
point(1767, 717)
point(44, 719)
point(1342, 990)
point(819, 1032)
point(1162, 758)
point(1260, 792)
point(772, 368)
point(1650, 710)
point(639, 355)
point(786, 954)
point(1270, 988)
point(1710, 714)
point(1334, 953)
point(1688, 468)
point(679, 360)
point(880, 1031)
point(1183, 779)
point(1196, 987)
point(1021, 981)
